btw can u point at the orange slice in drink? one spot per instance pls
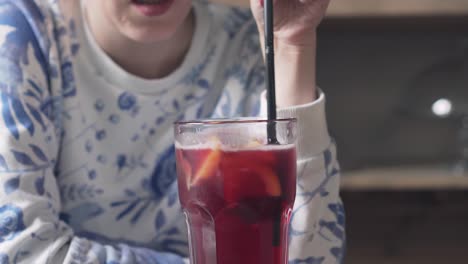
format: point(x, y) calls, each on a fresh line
point(249, 180)
point(269, 179)
point(208, 167)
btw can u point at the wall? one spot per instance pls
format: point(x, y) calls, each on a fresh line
point(371, 70)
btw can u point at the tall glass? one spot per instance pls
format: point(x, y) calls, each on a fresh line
point(237, 191)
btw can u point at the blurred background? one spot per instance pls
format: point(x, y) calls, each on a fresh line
point(396, 77)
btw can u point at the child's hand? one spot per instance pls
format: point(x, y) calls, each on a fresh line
point(295, 21)
point(295, 34)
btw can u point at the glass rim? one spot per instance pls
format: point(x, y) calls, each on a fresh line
point(230, 121)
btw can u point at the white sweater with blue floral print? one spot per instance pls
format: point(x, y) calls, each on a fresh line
point(87, 170)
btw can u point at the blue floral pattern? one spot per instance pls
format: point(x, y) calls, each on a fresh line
point(68, 79)
point(127, 101)
point(165, 173)
point(4, 259)
point(11, 222)
point(94, 160)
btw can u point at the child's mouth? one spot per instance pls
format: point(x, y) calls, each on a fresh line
point(148, 2)
point(153, 7)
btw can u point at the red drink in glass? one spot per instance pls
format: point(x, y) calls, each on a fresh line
point(238, 203)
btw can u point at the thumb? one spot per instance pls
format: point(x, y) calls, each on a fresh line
point(262, 2)
point(257, 7)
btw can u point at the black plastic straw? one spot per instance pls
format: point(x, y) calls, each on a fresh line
point(271, 98)
point(270, 71)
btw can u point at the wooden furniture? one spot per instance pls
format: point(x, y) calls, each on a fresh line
point(410, 178)
point(387, 8)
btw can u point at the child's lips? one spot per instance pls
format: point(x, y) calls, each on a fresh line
point(147, 2)
point(152, 7)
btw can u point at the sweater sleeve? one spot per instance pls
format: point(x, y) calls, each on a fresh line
point(317, 230)
point(31, 230)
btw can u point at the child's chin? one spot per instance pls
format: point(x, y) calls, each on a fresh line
point(151, 35)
